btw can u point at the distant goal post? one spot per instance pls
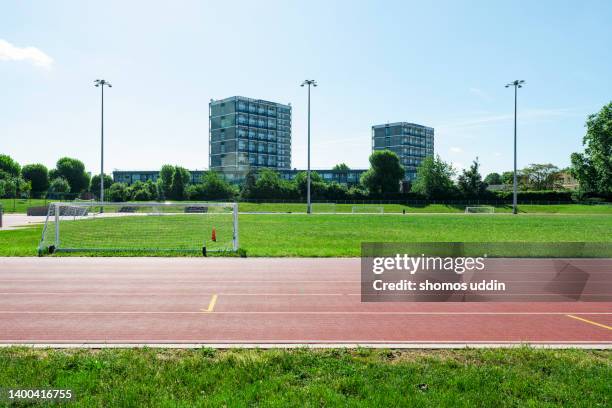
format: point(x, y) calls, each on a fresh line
point(481, 209)
point(367, 209)
point(323, 208)
point(135, 227)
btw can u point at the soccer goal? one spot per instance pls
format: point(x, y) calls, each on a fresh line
point(367, 209)
point(140, 227)
point(323, 208)
point(480, 210)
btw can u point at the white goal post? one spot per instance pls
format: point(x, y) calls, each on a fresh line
point(367, 209)
point(134, 227)
point(483, 209)
point(323, 208)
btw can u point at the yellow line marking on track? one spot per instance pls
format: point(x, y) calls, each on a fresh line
point(589, 321)
point(211, 305)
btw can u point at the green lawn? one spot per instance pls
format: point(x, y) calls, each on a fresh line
point(431, 208)
point(315, 378)
point(20, 205)
point(341, 235)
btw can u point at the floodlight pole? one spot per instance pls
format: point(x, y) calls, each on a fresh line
point(308, 82)
point(516, 84)
point(101, 83)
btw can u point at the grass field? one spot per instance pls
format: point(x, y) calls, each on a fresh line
point(20, 206)
point(431, 208)
point(341, 235)
point(280, 378)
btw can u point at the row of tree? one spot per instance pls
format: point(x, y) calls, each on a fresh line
point(435, 178)
point(68, 176)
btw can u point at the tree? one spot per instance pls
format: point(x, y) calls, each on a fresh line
point(165, 180)
point(94, 185)
point(541, 177)
point(73, 171)
point(14, 187)
point(140, 191)
point(118, 192)
point(248, 186)
point(212, 187)
point(507, 177)
point(269, 184)
point(470, 181)
point(318, 187)
point(59, 185)
point(593, 168)
point(493, 178)
point(180, 179)
point(38, 176)
point(384, 174)
point(336, 191)
point(341, 167)
point(9, 166)
point(434, 178)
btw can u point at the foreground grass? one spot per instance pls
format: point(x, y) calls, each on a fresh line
point(280, 378)
point(341, 235)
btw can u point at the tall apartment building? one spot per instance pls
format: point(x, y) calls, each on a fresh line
point(248, 133)
point(411, 142)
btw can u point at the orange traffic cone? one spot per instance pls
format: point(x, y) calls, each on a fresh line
point(214, 235)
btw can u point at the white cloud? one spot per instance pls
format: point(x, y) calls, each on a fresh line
point(524, 115)
point(456, 150)
point(9, 52)
point(481, 94)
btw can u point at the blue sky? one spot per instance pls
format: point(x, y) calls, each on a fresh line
point(441, 64)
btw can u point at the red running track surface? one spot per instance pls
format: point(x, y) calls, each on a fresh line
point(258, 301)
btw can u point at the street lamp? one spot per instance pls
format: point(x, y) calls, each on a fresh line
point(101, 83)
point(516, 84)
point(308, 82)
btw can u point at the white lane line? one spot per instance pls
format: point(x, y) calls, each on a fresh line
point(250, 312)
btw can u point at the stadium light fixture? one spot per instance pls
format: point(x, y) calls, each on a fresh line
point(309, 82)
point(516, 84)
point(102, 83)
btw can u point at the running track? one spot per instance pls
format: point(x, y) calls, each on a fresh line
point(187, 302)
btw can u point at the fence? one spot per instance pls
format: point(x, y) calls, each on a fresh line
point(428, 202)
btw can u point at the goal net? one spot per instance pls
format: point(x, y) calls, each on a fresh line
point(367, 209)
point(323, 208)
point(140, 227)
point(480, 210)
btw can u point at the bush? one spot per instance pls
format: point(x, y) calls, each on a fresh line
point(212, 187)
point(118, 192)
point(59, 185)
point(318, 187)
point(94, 184)
point(543, 195)
point(269, 184)
point(140, 191)
point(14, 187)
